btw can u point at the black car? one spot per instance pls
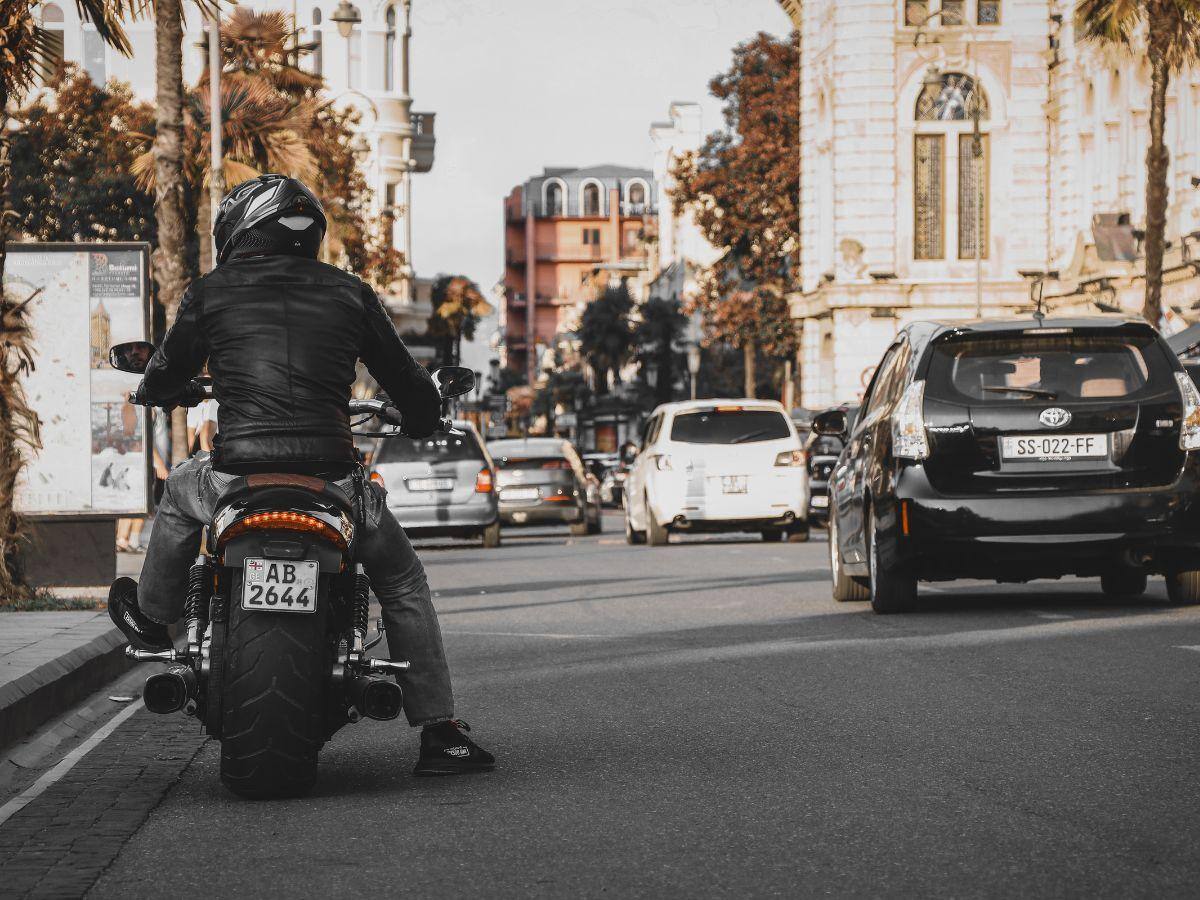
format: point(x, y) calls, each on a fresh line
point(821, 454)
point(1013, 450)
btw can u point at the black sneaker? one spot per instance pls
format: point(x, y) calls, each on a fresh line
point(446, 750)
point(143, 633)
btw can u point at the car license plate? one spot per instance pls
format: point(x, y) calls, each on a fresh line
point(276, 585)
point(820, 501)
point(429, 484)
point(733, 484)
point(1054, 446)
point(519, 494)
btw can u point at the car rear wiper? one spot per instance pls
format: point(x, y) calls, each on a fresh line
point(742, 438)
point(1032, 392)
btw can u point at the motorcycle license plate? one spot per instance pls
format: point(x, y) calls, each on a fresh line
point(276, 585)
point(1064, 447)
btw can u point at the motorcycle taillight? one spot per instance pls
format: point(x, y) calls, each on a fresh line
point(282, 521)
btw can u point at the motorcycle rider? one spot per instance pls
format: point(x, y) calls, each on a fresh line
point(281, 333)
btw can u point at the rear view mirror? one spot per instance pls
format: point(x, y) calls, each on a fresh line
point(454, 381)
point(831, 423)
point(131, 357)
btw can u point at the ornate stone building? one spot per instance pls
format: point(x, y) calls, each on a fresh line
point(933, 128)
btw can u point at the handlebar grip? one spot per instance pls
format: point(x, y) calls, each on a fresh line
point(133, 399)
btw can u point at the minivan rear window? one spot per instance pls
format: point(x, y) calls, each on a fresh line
point(439, 448)
point(1040, 368)
point(733, 426)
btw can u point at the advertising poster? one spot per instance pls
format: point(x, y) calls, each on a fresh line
point(94, 458)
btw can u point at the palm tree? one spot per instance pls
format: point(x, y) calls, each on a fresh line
point(25, 49)
point(1172, 33)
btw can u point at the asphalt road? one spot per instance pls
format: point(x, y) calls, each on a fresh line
point(703, 720)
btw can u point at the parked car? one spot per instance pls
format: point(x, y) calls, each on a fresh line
point(821, 452)
point(717, 465)
point(1014, 450)
point(442, 485)
point(543, 481)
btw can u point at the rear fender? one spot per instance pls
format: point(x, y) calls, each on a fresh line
point(267, 544)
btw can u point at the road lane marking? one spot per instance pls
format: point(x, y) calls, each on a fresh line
point(1195, 647)
point(39, 787)
point(953, 640)
point(537, 634)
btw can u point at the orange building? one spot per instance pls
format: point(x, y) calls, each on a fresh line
point(565, 232)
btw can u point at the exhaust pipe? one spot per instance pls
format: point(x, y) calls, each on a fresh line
point(171, 690)
point(375, 697)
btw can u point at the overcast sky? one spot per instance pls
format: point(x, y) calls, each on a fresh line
point(522, 84)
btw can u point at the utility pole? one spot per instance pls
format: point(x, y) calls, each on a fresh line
point(216, 171)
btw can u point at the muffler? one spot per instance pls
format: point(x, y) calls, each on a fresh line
point(171, 690)
point(376, 697)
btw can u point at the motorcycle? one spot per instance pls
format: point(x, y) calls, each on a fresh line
point(276, 616)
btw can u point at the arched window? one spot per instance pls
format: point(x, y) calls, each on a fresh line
point(389, 51)
point(591, 199)
point(52, 24)
point(637, 194)
point(318, 57)
point(949, 155)
point(554, 199)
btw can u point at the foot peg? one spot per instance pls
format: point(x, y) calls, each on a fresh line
point(389, 666)
point(171, 655)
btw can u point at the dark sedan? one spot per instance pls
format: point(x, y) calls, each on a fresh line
point(542, 481)
point(1014, 450)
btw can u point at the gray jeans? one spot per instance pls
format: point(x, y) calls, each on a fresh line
point(396, 574)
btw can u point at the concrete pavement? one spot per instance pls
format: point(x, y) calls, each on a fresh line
point(702, 720)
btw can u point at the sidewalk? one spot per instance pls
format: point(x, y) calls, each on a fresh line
point(49, 661)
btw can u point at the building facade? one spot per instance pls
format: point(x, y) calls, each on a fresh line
point(567, 232)
point(961, 156)
point(366, 70)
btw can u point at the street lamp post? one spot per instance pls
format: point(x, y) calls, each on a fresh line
point(346, 16)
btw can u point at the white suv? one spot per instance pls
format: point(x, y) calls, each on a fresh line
point(717, 465)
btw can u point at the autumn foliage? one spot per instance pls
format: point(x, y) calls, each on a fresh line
point(742, 190)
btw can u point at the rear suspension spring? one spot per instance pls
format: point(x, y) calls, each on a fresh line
point(200, 588)
point(362, 603)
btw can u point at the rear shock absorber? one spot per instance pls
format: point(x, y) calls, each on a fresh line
point(362, 608)
point(195, 607)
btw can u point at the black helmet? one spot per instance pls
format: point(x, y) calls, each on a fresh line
point(270, 214)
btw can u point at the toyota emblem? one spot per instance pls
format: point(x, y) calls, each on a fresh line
point(1054, 417)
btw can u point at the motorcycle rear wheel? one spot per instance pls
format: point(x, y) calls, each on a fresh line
point(276, 666)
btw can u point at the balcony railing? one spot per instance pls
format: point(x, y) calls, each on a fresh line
point(638, 209)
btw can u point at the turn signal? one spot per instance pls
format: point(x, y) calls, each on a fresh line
point(1189, 428)
point(376, 478)
point(483, 482)
point(790, 458)
point(282, 521)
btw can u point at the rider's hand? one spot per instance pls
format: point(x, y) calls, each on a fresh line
point(391, 415)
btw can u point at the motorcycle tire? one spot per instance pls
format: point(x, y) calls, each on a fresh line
point(276, 666)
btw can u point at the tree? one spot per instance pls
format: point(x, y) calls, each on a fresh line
point(741, 188)
point(25, 49)
point(1172, 34)
point(605, 334)
point(458, 305)
point(661, 326)
point(71, 159)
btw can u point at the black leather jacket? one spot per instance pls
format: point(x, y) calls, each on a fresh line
point(281, 335)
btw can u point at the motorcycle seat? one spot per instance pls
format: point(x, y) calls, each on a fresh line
point(261, 482)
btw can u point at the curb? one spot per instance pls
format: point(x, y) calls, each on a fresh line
point(58, 684)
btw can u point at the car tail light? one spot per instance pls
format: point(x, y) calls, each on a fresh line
point(285, 521)
point(376, 478)
point(909, 440)
point(483, 482)
point(662, 462)
point(790, 458)
point(1189, 428)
